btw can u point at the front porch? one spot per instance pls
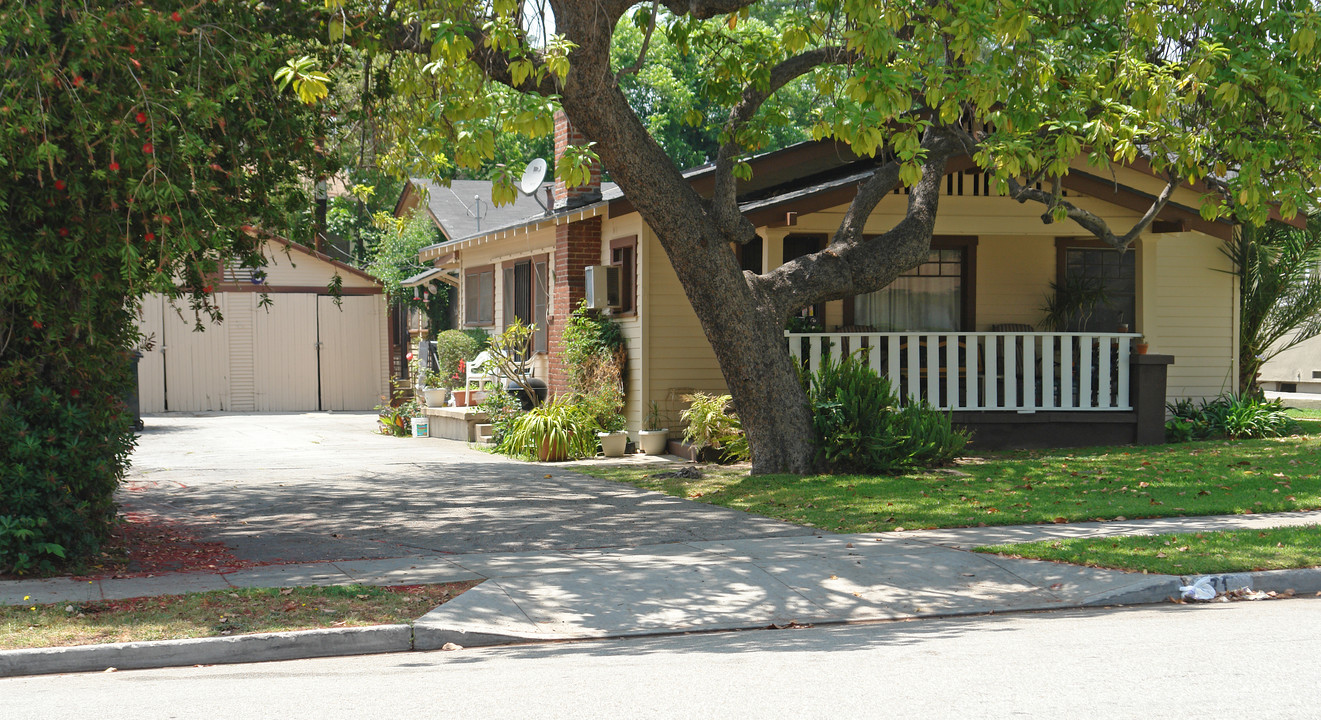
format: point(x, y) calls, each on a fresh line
point(1016, 389)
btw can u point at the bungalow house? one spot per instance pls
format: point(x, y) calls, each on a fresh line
point(963, 331)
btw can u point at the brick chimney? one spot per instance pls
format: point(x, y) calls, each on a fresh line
point(577, 245)
point(564, 197)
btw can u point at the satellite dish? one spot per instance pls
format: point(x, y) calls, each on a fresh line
point(532, 176)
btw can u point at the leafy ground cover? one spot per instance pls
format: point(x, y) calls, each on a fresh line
point(1183, 554)
point(1211, 477)
point(218, 613)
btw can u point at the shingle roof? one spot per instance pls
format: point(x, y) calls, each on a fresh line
point(465, 208)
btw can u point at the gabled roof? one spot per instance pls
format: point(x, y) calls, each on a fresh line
point(464, 208)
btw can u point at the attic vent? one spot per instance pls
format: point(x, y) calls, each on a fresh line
point(242, 274)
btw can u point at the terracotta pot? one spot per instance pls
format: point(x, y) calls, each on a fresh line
point(460, 397)
point(548, 452)
point(1141, 348)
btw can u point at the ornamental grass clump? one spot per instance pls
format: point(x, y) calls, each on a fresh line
point(556, 430)
point(861, 427)
point(1227, 416)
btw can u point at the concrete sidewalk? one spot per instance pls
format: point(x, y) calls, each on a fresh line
point(663, 588)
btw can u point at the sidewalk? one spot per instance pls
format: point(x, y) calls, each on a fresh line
point(659, 589)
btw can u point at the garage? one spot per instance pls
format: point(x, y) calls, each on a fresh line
point(303, 351)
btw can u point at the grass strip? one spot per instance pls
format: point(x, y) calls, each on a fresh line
point(218, 613)
point(1182, 554)
point(1210, 477)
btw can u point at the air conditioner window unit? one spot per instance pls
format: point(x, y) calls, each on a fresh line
point(603, 287)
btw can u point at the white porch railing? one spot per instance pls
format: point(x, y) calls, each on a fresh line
point(1025, 372)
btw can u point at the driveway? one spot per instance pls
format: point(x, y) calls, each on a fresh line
point(304, 487)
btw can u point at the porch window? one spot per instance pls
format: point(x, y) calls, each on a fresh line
point(929, 297)
point(1114, 273)
point(479, 295)
point(526, 295)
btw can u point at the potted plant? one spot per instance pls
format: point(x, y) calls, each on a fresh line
point(653, 438)
point(433, 388)
point(1140, 345)
point(550, 432)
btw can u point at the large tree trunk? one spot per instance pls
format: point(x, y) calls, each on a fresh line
point(742, 314)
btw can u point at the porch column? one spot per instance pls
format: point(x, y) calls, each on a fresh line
point(1148, 397)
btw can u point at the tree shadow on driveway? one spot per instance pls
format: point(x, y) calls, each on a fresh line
point(313, 487)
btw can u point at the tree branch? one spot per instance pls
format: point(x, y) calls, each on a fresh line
point(705, 9)
point(724, 201)
point(853, 262)
point(646, 41)
point(1089, 221)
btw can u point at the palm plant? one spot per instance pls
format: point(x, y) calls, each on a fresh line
point(1280, 298)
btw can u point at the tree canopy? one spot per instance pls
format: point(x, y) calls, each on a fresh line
point(136, 140)
point(1224, 93)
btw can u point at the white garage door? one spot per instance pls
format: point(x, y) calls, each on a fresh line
point(298, 354)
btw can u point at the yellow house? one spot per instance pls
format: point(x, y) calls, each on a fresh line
point(975, 305)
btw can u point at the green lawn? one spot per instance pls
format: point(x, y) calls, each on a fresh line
point(1211, 477)
point(222, 612)
point(1190, 554)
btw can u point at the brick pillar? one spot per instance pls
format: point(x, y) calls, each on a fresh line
point(566, 135)
point(577, 245)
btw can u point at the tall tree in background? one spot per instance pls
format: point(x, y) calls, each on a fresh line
point(1222, 91)
point(1279, 271)
point(136, 139)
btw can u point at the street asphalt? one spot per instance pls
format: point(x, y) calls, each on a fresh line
point(562, 556)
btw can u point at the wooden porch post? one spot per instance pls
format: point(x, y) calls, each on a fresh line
point(1148, 397)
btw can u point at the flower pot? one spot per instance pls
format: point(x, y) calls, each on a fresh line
point(653, 442)
point(1140, 348)
point(551, 452)
point(435, 397)
point(460, 397)
point(613, 443)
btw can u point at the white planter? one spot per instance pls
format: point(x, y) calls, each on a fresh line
point(435, 397)
point(653, 442)
point(614, 443)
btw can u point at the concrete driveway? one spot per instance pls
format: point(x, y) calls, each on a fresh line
point(304, 487)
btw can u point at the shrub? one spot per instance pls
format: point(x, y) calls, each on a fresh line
point(591, 341)
point(711, 424)
point(454, 347)
point(396, 419)
point(860, 426)
point(501, 409)
point(555, 430)
point(1228, 416)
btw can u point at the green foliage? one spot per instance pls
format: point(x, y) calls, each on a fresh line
point(589, 340)
point(453, 348)
point(556, 430)
point(1228, 416)
point(1072, 302)
point(711, 424)
point(502, 410)
point(1280, 292)
point(860, 426)
point(393, 259)
point(136, 142)
point(479, 336)
point(394, 419)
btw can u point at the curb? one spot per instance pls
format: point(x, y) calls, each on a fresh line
point(1303, 580)
point(424, 636)
point(297, 645)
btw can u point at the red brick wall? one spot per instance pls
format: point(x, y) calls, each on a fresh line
point(577, 245)
point(566, 135)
